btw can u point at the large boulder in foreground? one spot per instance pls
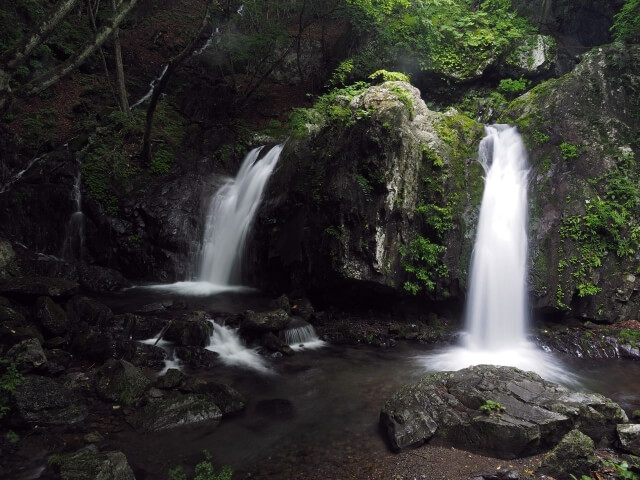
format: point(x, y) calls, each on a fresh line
point(533, 414)
point(89, 464)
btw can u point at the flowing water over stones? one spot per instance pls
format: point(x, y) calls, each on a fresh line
point(73, 246)
point(226, 342)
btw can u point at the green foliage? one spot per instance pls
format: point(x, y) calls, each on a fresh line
point(161, 161)
point(439, 218)
point(386, 76)
point(405, 97)
point(491, 406)
point(10, 379)
point(630, 337)
point(177, 473)
point(421, 259)
point(512, 86)
point(622, 469)
point(39, 127)
point(609, 224)
point(203, 471)
point(341, 74)
point(626, 25)
point(569, 151)
point(582, 477)
point(12, 437)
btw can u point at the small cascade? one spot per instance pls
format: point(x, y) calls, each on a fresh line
point(73, 247)
point(303, 337)
point(152, 86)
point(230, 217)
point(171, 361)
point(497, 311)
point(226, 342)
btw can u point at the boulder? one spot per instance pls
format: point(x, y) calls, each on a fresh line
point(170, 379)
point(43, 401)
point(28, 354)
point(8, 263)
point(192, 329)
point(197, 357)
point(260, 322)
point(89, 311)
point(90, 464)
point(33, 287)
point(226, 398)
point(148, 356)
point(535, 55)
point(119, 381)
point(51, 317)
point(101, 279)
point(534, 414)
point(629, 437)
point(572, 457)
point(179, 410)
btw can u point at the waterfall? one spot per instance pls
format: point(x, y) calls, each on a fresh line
point(230, 216)
point(152, 87)
point(303, 337)
point(228, 222)
point(496, 307)
point(496, 310)
point(73, 246)
point(226, 342)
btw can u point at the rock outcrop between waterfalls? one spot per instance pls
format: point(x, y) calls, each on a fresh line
point(500, 411)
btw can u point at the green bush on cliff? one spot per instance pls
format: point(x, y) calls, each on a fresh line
point(626, 25)
point(421, 259)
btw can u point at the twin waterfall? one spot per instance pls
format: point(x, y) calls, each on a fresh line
point(497, 310)
point(230, 217)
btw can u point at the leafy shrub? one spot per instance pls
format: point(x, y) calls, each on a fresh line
point(569, 151)
point(513, 86)
point(491, 406)
point(626, 25)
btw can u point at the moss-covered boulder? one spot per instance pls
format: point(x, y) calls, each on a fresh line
point(28, 355)
point(119, 381)
point(261, 322)
point(572, 457)
point(90, 464)
point(376, 194)
point(176, 411)
point(44, 401)
point(51, 317)
point(501, 411)
point(582, 131)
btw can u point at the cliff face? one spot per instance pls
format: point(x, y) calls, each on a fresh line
point(582, 132)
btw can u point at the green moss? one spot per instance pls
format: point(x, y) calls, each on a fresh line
point(405, 97)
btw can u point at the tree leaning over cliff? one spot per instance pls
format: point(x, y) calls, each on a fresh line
point(18, 56)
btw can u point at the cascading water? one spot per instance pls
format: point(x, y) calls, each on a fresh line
point(228, 223)
point(73, 246)
point(496, 312)
point(226, 342)
point(302, 337)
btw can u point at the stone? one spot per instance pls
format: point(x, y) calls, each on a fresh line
point(191, 330)
point(34, 287)
point(537, 413)
point(535, 55)
point(8, 262)
point(89, 311)
point(259, 322)
point(572, 456)
point(226, 398)
point(101, 279)
point(270, 341)
point(303, 308)
point(28, 354)
point(43, 401)
point(179, 410)
point(119, 381)
point(282, 302)
point(51, 317)
point(90, 464)
point(170, 379)
point(93, 437)
point(629, 437)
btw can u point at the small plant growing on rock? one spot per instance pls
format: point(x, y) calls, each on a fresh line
point(568, 150)
point(491, 406)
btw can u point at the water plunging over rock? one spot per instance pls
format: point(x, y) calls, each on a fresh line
point(226, 343)
point(496, 316)
point(301, 335)
point(73, 246)
point(228, 222)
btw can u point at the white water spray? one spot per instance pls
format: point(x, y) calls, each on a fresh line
point(497, 312)
point(227, 225)
point(302, 338)
point(227, 343)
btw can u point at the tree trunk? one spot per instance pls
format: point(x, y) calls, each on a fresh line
point(94, 27)
point(122, 87)
point(49, 78)
point(160, 86)
point(39, 35)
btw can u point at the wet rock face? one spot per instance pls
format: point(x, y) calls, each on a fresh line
point(89, 464)
point(163, 414)
point(530, 414)
point(629, 437)
point(121, 382)
point(193, 329)
point(342, 201)
point(8, 264)
point(581, 132)
point(43, 401)
point(572, 456)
